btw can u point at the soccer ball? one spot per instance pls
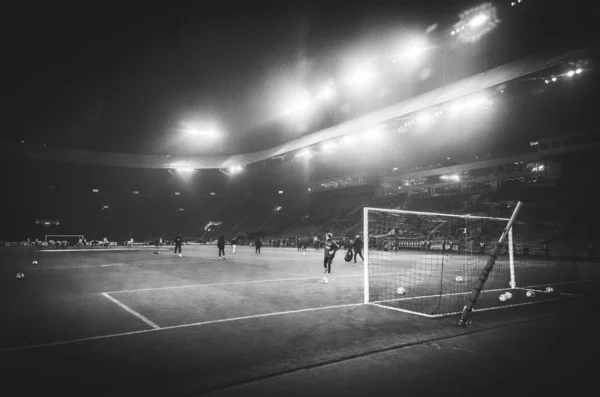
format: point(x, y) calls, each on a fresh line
point(502, 298)
point(34, 263)
point(325, 280)
point(157, 252)
point(20, 275)
point(549, 289)
point(459, 279)
point(304, 253)
point(530, 294)
point(508, 295)
point(180, 255)
point(400, 291)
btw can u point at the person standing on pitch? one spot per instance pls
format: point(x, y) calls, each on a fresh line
point(178, 241)
point(330, 249)
point(221, 245)
point(234, 242)
point(258, 244)
point(358, 246)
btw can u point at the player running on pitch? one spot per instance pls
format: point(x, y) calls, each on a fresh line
point(330, 249)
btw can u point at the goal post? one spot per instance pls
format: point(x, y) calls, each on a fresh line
point(429, 263)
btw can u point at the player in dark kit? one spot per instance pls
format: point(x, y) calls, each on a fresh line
point(221, 245)
point(330, 249)
point(258, 244)
point(358, 246)
point(178, 242)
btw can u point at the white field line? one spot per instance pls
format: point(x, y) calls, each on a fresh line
point(92, 250)
point(487, 309)
point(119, 264)
point(240, 283)
point(130, 310)
point(438, 295)
point(225, 320)
point(402, 310)
point(565, 283)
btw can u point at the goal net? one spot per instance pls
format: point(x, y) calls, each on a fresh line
point(429, 263)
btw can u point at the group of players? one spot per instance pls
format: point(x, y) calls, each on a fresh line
point(330, 249)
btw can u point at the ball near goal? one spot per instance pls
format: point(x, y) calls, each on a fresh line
point(530, 294)
point(502, 298)
point(549, 289)
point(400, 291)
point(20, 275)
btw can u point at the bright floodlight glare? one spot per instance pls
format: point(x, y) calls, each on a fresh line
point(457, 107)
point(348, 139)
point(478, 20)
point(360, 76)
point(553, 78)
point(328, 146)
point(570, 73)
point(326, 93)
point(579, 70)
point(300, 104)
point(235, 169)
point(184, 170)
point(199, 129)
point(304, 153)
point(425, 118)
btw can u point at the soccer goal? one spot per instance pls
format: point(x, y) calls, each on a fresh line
point(434, 265)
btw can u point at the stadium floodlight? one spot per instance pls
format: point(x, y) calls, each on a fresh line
point(554, 78)
point(425, 118)
point(348, 139)
point(360, 76)
point(579, 70)
point(299, 104)
point(235, 169)
point(304, 153)
point(372, 134)
point(326, 93)
point(478, 20)
point(199, 130)
point(571, 73)
point(328, 146)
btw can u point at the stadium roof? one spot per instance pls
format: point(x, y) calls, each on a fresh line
point(502, 74)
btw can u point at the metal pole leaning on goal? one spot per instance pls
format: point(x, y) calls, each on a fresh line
point(488, 268)
point(366, 254)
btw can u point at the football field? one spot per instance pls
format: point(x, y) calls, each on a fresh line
point(131, 322)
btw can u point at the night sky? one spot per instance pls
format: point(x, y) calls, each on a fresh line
point(122, 78)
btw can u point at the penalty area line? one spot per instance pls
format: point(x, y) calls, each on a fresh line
point(277, 280)
point(130, 310)
point(225, 320)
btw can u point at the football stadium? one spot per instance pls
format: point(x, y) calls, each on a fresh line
point(304, 199)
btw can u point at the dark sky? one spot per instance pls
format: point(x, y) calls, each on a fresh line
point(120, 77)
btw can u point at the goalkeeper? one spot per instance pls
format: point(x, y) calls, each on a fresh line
point(330, 249)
